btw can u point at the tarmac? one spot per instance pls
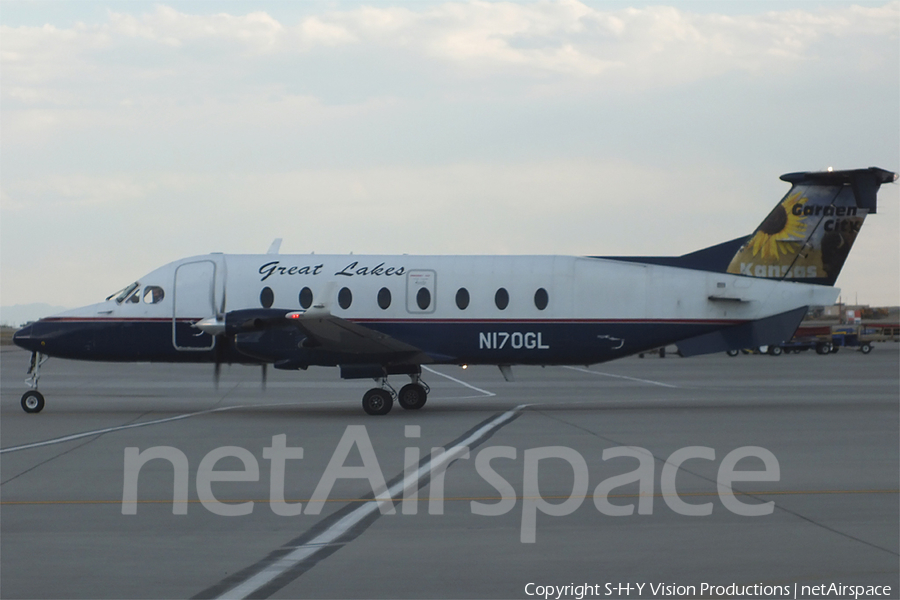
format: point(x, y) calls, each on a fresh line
point(526, 493)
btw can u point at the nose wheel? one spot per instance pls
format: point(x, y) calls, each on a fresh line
point(33, 400)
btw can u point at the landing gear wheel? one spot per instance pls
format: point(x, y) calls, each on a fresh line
point(377, 402)
point(412, 396)
point(32, 401)
point(865, 348)
point(775, 350)
point(733, 352)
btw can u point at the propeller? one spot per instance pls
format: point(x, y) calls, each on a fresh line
point(221, 340)
point(322, 304)
point(217, 373)
point(265, 371)
point(216, 327)
point(222, 328)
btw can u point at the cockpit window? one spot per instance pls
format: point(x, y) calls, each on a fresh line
point(153, 294)
point(124, 293)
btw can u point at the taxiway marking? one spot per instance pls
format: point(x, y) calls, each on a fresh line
point(650, 381)
point(335, 532)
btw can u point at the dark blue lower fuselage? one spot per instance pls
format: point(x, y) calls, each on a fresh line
point(442, 341)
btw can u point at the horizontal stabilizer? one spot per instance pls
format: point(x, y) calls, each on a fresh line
point(771, 330)
point(864, 183)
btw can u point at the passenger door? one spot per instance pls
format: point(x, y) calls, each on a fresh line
point(194, 298)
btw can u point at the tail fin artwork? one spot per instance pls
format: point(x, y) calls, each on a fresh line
point(808, 235)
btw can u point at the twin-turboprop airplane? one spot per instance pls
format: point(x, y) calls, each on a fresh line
point(376, 316)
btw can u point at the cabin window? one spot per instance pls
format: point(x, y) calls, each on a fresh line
point(423, 298)
point(384, 298)
point(501, 298)
point(306, 297)
point(153, 294)
point(541, 299)
point(267, 297)
point(345, 298)
point(462, 298)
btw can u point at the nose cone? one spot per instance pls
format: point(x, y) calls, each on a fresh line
point(25, 338)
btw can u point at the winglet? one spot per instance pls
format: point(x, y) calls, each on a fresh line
point(275, 247)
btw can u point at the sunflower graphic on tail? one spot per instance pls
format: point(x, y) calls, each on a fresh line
point(781, 233)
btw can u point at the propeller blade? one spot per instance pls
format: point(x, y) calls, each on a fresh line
point(217, 372)
point(325, 299)
point(265, 371)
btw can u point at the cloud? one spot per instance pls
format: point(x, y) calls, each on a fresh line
point(37, 55)
point(642, 47)
point(165, 63)
point(256, 31)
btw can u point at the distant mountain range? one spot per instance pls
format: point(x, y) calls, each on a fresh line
point(19, 314)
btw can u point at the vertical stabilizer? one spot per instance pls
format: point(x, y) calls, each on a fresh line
point(808, 235)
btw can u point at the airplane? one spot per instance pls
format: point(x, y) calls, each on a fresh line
point(378, 316)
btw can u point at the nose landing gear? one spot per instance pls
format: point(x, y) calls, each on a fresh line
point(33, 400)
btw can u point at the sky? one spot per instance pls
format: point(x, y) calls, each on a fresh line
point(137, 133)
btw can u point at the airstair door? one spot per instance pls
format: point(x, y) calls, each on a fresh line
point(194, 300)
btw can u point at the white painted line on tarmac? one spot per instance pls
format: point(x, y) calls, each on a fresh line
point(333, 533)
point(459, 381)
point(78, 436)
point(650, 381)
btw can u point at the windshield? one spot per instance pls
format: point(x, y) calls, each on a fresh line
point(123, 294)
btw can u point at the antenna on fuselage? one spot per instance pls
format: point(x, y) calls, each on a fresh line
point(275, 247)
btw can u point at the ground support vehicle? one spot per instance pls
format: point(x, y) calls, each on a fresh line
point(828, 339)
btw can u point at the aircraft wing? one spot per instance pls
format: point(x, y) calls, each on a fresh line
point(323, 331)
point(329, 332)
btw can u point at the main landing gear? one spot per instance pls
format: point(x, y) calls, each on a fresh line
point(380, 400)
point(33, 400)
